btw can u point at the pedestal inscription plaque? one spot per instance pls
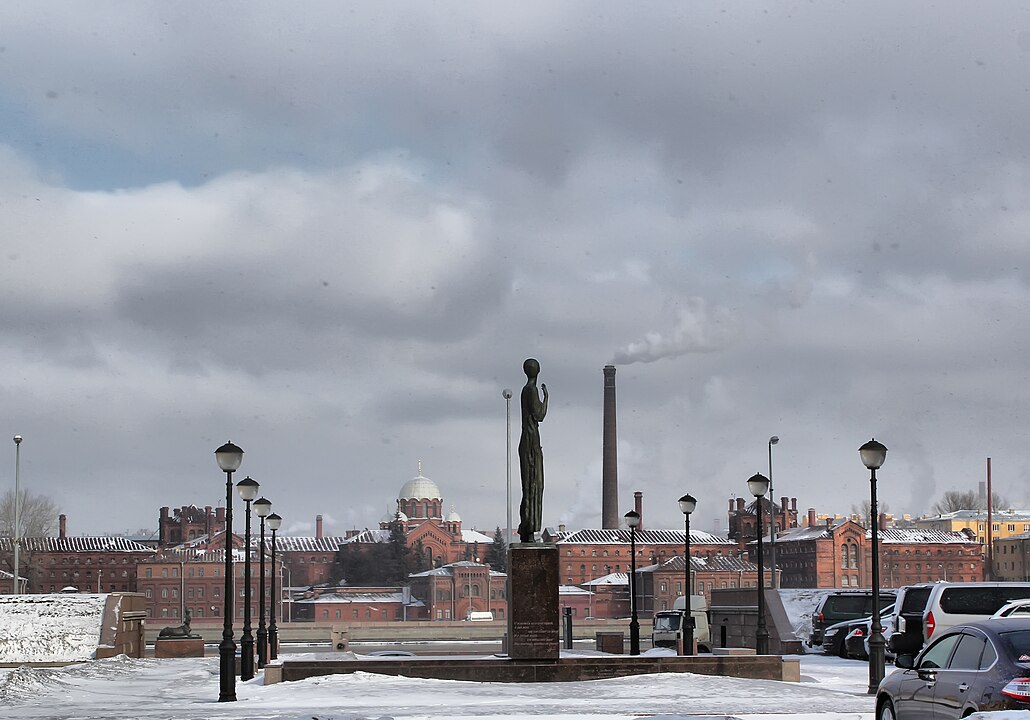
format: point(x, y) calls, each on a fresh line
point(533, 625)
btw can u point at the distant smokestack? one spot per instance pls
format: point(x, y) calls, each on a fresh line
point(811, 517)
point(609, 456)
point(883, 521)
point(318, 526)
point(638, 505)
point(62, 523)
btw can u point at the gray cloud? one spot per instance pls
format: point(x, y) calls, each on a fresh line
point(334, 236)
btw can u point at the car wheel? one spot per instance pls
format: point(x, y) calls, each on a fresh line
point(886, 710)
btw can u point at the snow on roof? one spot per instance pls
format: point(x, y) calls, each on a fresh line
point(715, 563)
point(75, 543)
point(620, 536)
point(50, 628)
point(326, 543)
point(572, 590)
point(610, 579)
point(369, 597)
point(474, 536)
point(907, 535)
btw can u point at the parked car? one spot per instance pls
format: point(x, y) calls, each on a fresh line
point(834, 637)
point(1016, 608)
point(856, 642)
point(967, 668)
point(843, 605)
point(960, 603)
point(908, 630)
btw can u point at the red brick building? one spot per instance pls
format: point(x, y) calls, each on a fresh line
point(88, 564)
point(358, 604)
point(453, 591)
point(840, 556)
point(585, 555)
point(661, 584)
point(743, 517)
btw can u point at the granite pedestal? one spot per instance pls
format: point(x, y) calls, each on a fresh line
point(179, 647)
point(533, 632)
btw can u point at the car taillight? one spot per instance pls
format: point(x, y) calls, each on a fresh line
point(1018, 689)
point(858, 632)
point(930, 625)
point(820, 617)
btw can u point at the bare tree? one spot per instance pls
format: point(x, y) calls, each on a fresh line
point(38, 515)
point(863, 510)
point(954, 500)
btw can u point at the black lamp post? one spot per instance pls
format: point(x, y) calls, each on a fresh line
point(873, 454)
point(687, 505)
point(632, 520)
point(274, 521)
point(772, 518)
point(248, 489)
point(758, 485)
point(229, 457)
point(262, 506)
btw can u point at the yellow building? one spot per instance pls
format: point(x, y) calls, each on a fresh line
point(1005, 523)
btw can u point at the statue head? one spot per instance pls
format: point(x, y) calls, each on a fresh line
point(531, 367)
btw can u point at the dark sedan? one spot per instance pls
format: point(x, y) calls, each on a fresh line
point(975, 667)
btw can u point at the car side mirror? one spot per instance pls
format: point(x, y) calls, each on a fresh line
point(927, 674)
point(905, 661)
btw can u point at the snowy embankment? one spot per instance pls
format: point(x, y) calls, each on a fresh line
point(50, 628)
point(800, 603)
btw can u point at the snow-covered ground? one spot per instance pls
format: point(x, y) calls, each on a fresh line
point(50, 628)
point(152, 689)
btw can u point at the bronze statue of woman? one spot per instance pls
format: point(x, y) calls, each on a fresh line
point(531, 455)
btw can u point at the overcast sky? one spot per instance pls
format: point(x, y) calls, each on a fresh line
point(332, 233)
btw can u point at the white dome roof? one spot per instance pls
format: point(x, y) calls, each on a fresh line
point(420, 488)
point(453, 516)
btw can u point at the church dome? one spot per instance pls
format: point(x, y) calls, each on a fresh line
point(453, 516)
point(420, 488)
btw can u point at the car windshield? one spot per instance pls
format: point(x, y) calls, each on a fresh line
point(667, 622)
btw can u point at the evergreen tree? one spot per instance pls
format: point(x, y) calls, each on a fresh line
point(497, 555)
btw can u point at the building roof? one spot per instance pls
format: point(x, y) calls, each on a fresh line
point(609, 579)
point(420, 488)
point(717, 563)
point(888, 536)
point(360, 597)
point(572, 590)
point(1011, 514)
point(620, 536)
point(324, 544)
point(474, 536)
point(75, 543)
point(448, 570)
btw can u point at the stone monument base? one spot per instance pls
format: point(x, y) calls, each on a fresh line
point(179, 647)
point(533, 614)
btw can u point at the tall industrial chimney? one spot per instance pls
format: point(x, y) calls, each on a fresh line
point(609, 456)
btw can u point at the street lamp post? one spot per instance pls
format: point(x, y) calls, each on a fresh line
point(248, 489)
point(687, 505)
point(758, 484)
point(506, 394)
point(632, 520)
point(262, 506)
point(17, 514)
point(772, 518)
point(274, 521)
point(229, 457)
point(873, 454)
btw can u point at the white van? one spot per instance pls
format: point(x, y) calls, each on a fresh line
point(667, 627)
point(958, 603)
point(480, 616)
